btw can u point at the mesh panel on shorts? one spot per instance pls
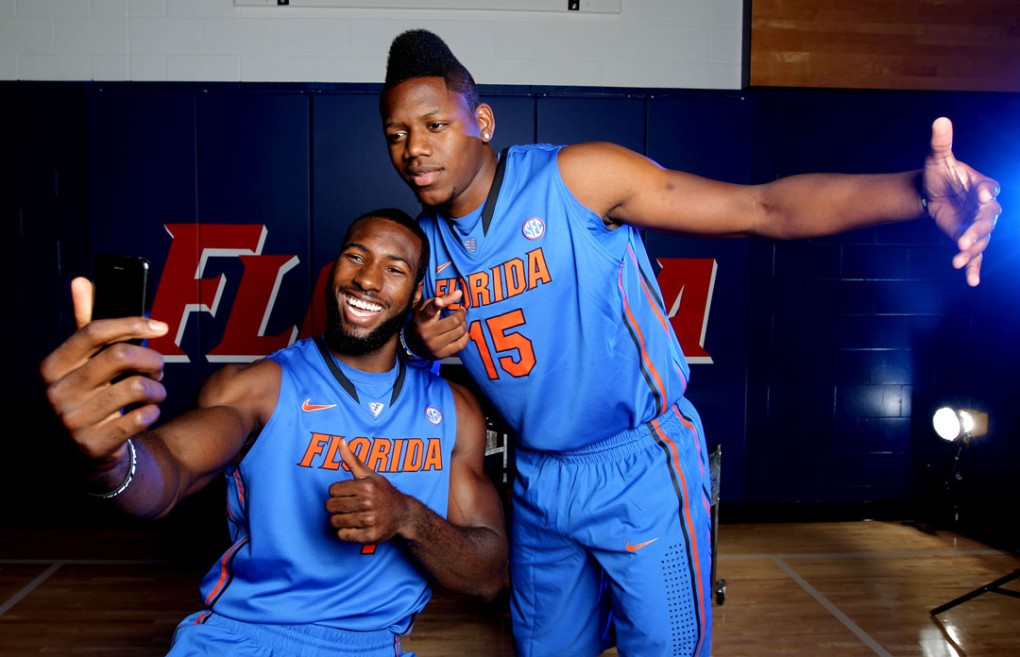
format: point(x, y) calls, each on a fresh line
point(682, 610)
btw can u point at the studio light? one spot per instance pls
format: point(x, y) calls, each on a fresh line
point(959, 423)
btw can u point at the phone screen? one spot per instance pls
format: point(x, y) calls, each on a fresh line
point(121, 286)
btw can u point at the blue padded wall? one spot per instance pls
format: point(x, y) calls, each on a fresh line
point(827, 355)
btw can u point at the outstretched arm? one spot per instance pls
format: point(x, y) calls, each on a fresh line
point(151, 469)
point(466, 552)
point(183, 455)
point(624, 187)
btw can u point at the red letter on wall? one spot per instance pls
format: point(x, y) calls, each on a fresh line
point(244, 338)
point(691, 280)
point(182, 290)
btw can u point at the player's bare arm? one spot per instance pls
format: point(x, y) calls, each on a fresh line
point(474, 510)
point(625, 187)
point(233, 406)
point(181, 457)
point(466, 552)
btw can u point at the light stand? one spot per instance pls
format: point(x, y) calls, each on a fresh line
point(960, 425)
point(991, 587)
point(957, 426)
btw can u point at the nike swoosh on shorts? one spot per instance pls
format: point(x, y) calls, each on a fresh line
point(635, 548)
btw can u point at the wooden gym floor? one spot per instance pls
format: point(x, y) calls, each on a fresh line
point(839, 589)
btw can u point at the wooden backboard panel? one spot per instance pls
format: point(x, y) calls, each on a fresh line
point(947, 45)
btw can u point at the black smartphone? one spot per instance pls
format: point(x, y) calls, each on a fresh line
point(121, 285)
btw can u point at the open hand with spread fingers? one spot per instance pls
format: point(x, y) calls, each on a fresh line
point(961, 200)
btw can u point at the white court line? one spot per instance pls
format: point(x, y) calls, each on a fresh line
point(781, 561)
point(833, 609)
point(31, 586)
point(55, 565)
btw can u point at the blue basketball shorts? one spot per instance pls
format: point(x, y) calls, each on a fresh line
point(612, 543)
point(206, 634)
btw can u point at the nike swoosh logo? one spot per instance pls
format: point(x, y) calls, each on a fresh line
point(308, 407)
point(635, 548)
point(443, 266)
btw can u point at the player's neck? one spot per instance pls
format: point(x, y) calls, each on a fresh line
point(381, 360)
point(474, 195)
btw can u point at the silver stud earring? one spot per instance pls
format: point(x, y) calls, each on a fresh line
point(485, 135)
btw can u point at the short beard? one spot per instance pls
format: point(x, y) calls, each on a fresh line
point(341, 341)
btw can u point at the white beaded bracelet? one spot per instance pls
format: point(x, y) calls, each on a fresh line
point(127, 481)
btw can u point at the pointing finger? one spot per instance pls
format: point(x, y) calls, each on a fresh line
point(448, 299)
point(431, 308)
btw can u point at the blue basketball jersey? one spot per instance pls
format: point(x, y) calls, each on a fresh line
point(569, 336)
point(286, 564)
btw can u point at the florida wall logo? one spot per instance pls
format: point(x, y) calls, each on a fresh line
point(184, 292)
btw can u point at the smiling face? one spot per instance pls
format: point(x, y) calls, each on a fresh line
point(372, 290)
point(438, 144)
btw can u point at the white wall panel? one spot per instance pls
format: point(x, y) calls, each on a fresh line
point(607, 43)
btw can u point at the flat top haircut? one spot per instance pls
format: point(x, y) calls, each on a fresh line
point(422, 54)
